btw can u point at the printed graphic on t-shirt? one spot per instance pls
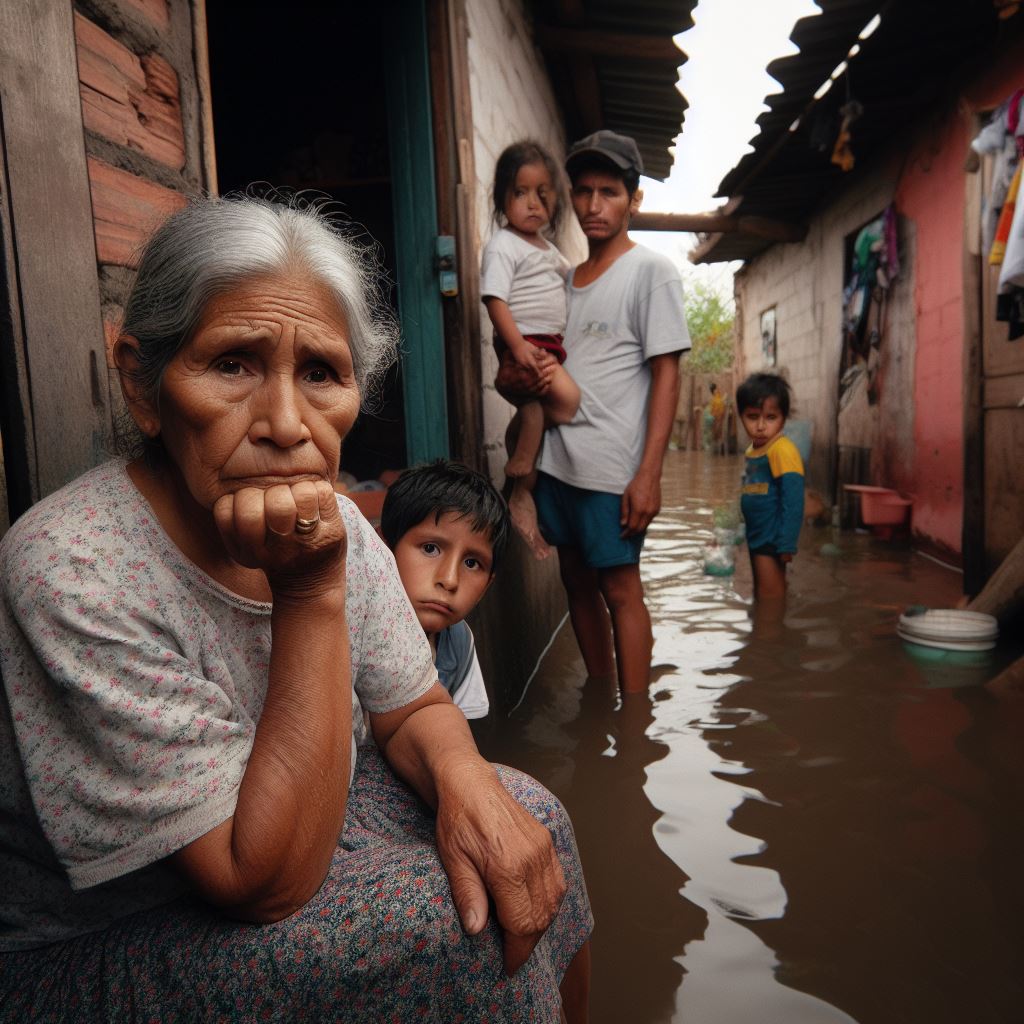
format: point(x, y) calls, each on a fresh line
point(596, 329)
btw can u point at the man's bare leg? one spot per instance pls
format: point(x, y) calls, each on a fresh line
point(589, 614)
point(575, 988)
point(623, 592)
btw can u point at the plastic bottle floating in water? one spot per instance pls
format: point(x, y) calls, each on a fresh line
point(726, 517)
point(718, 560)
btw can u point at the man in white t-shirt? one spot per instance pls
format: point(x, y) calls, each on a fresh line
point(600, 475)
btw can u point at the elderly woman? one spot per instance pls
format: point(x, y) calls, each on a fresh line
point(196, 823)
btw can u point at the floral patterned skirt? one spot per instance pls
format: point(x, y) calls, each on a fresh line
point(381, 941)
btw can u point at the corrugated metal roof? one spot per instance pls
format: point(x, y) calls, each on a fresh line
point(823, 40)
point(909, 65)
point(636, 95)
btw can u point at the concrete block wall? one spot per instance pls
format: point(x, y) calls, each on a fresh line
point(141, 116)
point(511, 99)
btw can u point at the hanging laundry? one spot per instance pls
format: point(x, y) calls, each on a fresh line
point(1014, 121)
point(1012, 273)
point(866, 248)
point(1010, 310)
point(1006, 216)
point(996, 141)
point(842, 153)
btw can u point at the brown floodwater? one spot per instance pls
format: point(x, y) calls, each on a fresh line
point(806, 823)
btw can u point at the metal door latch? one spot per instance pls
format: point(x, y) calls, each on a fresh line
point(447, 278)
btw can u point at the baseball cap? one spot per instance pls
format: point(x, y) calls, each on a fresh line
point(621, 150)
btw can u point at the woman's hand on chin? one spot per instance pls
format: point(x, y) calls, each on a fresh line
point(490, 845)
point(294, 533)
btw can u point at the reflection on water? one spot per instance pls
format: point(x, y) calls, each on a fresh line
point(806, 824)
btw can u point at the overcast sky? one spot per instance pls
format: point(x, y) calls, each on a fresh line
point(725, 82)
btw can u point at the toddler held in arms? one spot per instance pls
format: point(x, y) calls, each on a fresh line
point(523, 278)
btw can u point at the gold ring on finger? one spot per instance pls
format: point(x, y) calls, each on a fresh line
point(306, 525)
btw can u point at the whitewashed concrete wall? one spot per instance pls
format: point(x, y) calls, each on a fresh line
point(512, 99)
point(805, 283)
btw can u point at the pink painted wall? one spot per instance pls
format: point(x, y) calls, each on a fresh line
point(931, 193)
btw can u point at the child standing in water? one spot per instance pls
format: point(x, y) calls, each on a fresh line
point(772, 501)
point(523, 286)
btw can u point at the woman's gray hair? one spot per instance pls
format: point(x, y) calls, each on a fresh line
point(213, 245)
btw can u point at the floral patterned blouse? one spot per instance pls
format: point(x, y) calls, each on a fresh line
point(132, 685)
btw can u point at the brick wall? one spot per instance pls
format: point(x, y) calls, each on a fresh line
point(141, 116)
point(511, 99)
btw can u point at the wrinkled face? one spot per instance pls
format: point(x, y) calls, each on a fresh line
point(763, 422)
point(603, 205)
point(262, 393)
point(531, 200)
point(445, 569)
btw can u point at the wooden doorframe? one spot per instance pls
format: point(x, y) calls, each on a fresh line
point(973, 538)
point(455, 169)
point(20, 485)
point(56, 409)
point(414, 201)
point(993, 384)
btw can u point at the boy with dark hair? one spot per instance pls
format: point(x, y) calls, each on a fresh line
point(772, 501)
point(448, 529)
point(599, 485)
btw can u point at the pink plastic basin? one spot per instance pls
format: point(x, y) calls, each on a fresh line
point(881, 506)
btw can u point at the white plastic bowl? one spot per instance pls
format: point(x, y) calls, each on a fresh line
point(950, 628)
point(947, 645)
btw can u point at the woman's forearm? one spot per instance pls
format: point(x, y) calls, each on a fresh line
point(427, 742)
point(491, 847)
point(271, 856)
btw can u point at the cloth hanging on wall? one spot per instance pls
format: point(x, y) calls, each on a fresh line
point(994, 140)
point(875, 265)
point(1005, 222)
point(1002, 220)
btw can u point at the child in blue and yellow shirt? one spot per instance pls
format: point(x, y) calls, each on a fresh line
point(772, 501)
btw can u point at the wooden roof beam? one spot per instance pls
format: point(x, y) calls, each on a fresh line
point(706, 246)
point(560, 39)
point(719, 222)
point(587, 90)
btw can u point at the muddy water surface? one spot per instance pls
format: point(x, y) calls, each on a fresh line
point(806, 824)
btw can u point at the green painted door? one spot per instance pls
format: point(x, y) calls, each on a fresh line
point(415, 211)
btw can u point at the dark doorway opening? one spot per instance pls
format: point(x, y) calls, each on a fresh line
point(299, 103)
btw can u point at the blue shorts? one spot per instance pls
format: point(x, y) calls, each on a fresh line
point(588, 520)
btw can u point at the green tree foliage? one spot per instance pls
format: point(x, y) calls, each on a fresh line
point(711, 318)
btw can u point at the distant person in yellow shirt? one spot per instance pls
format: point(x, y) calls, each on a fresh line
point(717, 409)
